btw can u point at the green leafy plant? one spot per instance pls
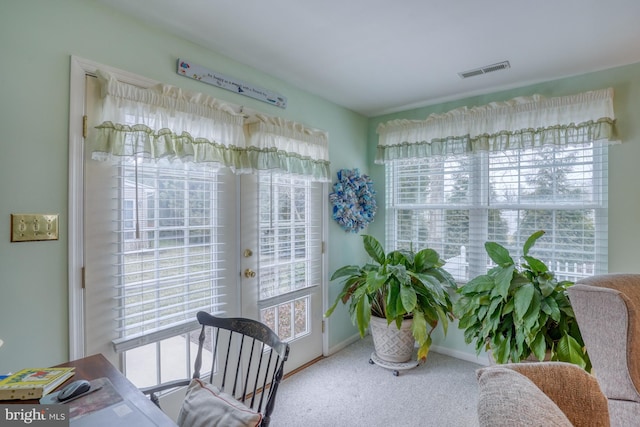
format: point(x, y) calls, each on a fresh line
point(396, 286)
point(519, 310)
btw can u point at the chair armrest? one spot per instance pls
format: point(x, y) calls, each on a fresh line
point(572, 389)
point(152, 390)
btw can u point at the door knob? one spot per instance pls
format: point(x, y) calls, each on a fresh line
point(249, 273)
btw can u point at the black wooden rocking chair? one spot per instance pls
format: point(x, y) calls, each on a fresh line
point(251, 365)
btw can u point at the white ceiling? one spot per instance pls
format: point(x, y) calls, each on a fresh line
point(380, 56)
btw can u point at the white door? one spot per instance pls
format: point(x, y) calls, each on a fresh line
point(280, 231)
point(282, 259)
point(158, 241)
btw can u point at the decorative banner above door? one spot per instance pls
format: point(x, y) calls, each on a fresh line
point(197, 72)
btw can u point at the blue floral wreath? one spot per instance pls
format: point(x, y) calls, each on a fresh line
point(353, 199)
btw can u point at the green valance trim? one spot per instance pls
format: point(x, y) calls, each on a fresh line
point(115, 141)
point(572, 134)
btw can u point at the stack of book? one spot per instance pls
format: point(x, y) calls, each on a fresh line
point(33, 383)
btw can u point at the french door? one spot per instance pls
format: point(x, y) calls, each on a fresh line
point(281, 259)
point(262, 242)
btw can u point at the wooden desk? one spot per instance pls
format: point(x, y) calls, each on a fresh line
point(97, 366)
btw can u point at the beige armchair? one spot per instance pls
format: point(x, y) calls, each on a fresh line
point(607, 310)
point(541, 394)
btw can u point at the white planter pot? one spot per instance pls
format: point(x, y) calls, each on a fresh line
point(392, 344)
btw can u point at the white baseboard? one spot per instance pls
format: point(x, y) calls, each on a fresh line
point(463, 355)
point(343, 344)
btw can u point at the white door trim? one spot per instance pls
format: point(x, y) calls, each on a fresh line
point(325, 269)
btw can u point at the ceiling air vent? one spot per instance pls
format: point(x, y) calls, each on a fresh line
point(486, 69)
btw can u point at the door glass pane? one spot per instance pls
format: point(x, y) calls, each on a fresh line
point(141, 365)
point(173, 360)
point(301, 316)
point(289, 320)
point(207, 351)
point(284, 321)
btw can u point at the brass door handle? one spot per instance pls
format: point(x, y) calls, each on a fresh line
point(249, 273)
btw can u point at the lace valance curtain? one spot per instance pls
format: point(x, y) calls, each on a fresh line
point(278, 144)
point(520, 123)
point(165, 122)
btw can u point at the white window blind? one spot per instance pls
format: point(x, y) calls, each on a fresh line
point(168, 249)
point(290, 250)
point(290, 234)
point(455, 204)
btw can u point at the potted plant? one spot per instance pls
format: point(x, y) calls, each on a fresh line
point(403, 290)
point(520, 311)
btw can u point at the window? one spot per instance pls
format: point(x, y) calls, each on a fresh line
point(454, 204)
point(500, 172)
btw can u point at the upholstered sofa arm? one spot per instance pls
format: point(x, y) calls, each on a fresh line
point(571, 388)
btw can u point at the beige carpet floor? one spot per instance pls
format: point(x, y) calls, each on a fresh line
point(345, 390)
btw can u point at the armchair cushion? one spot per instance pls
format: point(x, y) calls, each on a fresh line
point(205, 405)
point(509, 399)
point(576, 392)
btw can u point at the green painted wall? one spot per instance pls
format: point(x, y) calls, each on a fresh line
point(39, 36)
point(624, 173)
point(37, 39)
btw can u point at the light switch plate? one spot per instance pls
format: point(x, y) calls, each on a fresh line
point(34, 227)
